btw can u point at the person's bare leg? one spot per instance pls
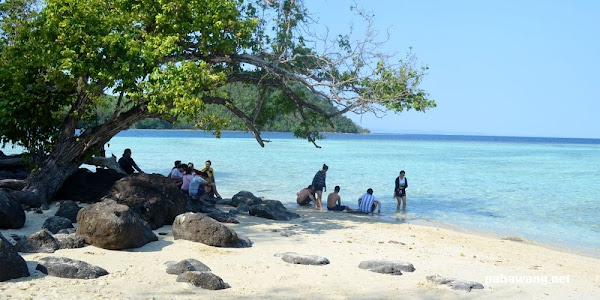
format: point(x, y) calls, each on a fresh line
point(403, 203)
point(318, 204)
point(348, 209)
point(215, 191)
point(399, 200)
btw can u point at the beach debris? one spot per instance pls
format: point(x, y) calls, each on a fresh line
point(68, 209)
point(41, 241)
point(153, 196)
point(70, 241)
point(55, 224)
point(163, 233)
point(12, 215)
point(387, 267)
point(512, 238)
point(245, 197)
point(186, 265)
point(299, 259)
point(200, 228)
point(86, 186)
point(69, 268)
point(396, 242)
point(113, 226)
point(12, 265)
point(205, 280)
point(288, 233)
point(454, 283)
point(272, 209)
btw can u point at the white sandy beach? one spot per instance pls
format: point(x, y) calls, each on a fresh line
point(344, 239)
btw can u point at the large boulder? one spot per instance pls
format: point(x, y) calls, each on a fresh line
point(30, 198)
point(244, 197)
point(12, 265)
point(55, 224)
point(113, 226)
point(205, 280)
point(12, 215)
point(154, 197)
point(68, 209)
point(272, 209)
point(88, 187)
point(41, 241)
point(197, 227)
point(69, 268)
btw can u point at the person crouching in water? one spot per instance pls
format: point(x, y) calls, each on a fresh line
point(305, 196)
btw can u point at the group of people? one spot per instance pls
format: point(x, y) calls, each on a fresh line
point(367, 203)
point(194, 182)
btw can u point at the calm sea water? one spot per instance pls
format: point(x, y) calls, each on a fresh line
point(540, 189)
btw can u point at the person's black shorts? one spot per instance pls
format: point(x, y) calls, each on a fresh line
point(318, 188)
point(337, 208)
point(400, 193)
point(305, 201)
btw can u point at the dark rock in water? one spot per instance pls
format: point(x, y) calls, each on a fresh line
point(153, 196)
point(41, 241)
point(387, 267)
point(69, 241)
point(113, 226)
point(29, 198)
point(55, 224)
point(196, 227)
point(12, 265)
point(68, 209)
point(299, 259)
point(455, 284)
point(12, 215)
point(245, 197)
point(186, 265)
point(88, 187)
point(69, 268)
point(205, 280)
point(272, 209)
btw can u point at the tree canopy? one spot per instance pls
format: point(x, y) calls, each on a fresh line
point(176, 59)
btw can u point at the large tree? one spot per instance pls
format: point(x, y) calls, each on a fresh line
point(171, 60)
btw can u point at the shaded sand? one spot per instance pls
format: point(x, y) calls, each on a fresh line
point(345, 239)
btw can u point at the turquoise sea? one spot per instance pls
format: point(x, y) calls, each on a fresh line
point(544, 190)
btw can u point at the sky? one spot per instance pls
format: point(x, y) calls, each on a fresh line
point(502, 68)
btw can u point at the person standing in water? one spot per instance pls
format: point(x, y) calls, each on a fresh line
point(400, 190)
point(319, 186)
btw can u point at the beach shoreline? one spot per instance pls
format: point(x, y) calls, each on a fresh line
point(345, 239)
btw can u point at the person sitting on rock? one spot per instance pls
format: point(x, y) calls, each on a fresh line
point(127, 163)
point(174, 169)
point(368, 202)
point(334, 202)
point(187, 179)
point(305, 196)
point(177, 174)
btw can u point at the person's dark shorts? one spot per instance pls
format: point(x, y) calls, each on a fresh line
point(337, 208)
point(400, 193)
point(305, 201)
point(318, 188)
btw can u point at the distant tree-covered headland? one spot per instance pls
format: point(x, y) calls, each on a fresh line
point(217, 64)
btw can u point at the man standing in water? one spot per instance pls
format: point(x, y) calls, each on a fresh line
point(319, 185)
point(127, 163)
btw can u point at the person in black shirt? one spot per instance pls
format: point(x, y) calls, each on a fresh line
point(127, 163)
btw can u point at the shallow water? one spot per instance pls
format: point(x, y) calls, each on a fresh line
point(540, 189)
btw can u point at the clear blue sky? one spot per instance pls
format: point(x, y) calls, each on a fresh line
point(515, 68)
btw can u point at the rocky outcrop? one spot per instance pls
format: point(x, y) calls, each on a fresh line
point(41, 241)
point(205, 280)
point(455, 284)
point(69, 268)
point(12, 265)
point(55, 224)
point(69, 241)
point(272, 209)
point(186, 265)
point(12, 215)
point(300, 259)
point(245, 197)
point(113, 226)
point(87, 186)
point(387, 267)
point(199, 228)
point(68, 209)
point(154, 197)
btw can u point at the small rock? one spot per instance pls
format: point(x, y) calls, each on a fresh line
point(70, 241)
point(299, 259)
point(205, 280)
point(186, 265)
point(55, 224)
point(387, 267)
point(455, 284)
point(69, 268)
point(41, 241)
